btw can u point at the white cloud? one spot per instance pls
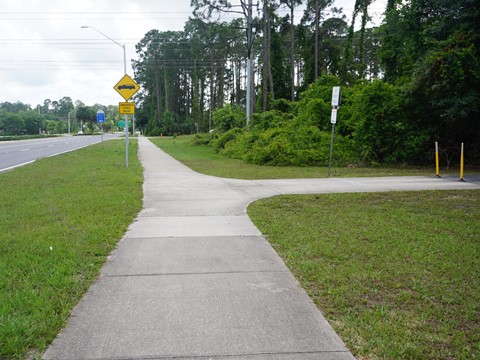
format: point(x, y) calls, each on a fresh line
point(46, 54)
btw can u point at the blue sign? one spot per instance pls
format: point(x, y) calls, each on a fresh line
point(100, 116)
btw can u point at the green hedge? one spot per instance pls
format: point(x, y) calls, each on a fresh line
point(303, 145)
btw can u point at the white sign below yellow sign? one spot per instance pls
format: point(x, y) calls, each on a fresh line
point(126, 108)
point(126, 87)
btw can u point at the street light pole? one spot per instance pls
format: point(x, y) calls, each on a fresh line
point(69, 119)
point(109, 38)
point(125, 72)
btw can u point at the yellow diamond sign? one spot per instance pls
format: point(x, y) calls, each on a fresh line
point(126, 87)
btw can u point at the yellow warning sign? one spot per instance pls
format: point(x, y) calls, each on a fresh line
point(126, 87)
point(126, 108)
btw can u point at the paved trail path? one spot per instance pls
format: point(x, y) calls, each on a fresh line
point(193, 278)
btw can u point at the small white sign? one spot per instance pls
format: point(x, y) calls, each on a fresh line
point(336, 96)
point(334, 116)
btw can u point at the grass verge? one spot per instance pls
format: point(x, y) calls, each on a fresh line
point(25, 137)
point(60, 217)
point(205, 160)
point(396, 274)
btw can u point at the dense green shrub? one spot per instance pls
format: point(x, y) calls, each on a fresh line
point(202, 138)
point(315, 112)
point(315, 106)
point(382, 133)
point(155, 132)
point(374, 125)
point(24, 137)
point(444, 94)
point(227, 118)
point(269, 119)
point(224, 138)
point(271, 148)
point(321, 89)
point(241, 145)
point(293, 145)
point(283, 105)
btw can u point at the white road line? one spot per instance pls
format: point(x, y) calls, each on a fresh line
point(67, 151)
point(15, 166)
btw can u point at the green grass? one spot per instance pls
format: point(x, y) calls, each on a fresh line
point(396, 274)
point(60, 218)
point(203, 159)
point(24, 137)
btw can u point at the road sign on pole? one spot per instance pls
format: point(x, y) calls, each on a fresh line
point(126, 87)
point(100, 116)
point(333, 118)
point(336, 100)
point(101, 120)
point(126, 108)
point(336, 96)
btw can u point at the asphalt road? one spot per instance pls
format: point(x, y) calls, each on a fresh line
point(22, 152)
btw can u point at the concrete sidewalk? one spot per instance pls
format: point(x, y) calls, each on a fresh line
point(194, 278)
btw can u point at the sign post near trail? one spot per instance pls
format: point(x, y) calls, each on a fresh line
point(101, 120)
point(126, 108)
point(336, 100)
point(126, 87)
point(336, 96)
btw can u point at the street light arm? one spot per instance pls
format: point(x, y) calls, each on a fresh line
point(115, 42)
point(125, 72)
point(108, 37)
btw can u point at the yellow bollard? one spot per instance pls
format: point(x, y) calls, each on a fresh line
point(461, 163)
point(437, 163)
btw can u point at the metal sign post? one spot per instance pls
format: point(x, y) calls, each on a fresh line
point(101, 120)
point(126, 87)
point(333, 121)
point(336, 100)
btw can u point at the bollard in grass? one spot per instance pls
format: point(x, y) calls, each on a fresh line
point(462, 158)
point(437, 162)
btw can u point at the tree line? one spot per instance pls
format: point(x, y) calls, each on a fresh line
point(413, 80)
point(55, 117)
point(424, 55)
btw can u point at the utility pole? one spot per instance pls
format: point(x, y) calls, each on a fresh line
point(249, 62)
point(69, 120)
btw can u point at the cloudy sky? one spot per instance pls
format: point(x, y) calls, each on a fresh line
point(45, 54)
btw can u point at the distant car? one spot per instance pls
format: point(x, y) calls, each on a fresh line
point(129, 87)
point(80, 132)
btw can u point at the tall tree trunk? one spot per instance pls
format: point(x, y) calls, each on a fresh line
point(317, 30)
point(221, 85)
point(265, 55)
point(362, 66)
point(212, 89)
point(270, 76)
point(159, 103)
point(238, 69)
point(166, 86)
point(202, 100)
point(292, 55)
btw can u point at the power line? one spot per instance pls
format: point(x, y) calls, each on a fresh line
point(92, 12)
